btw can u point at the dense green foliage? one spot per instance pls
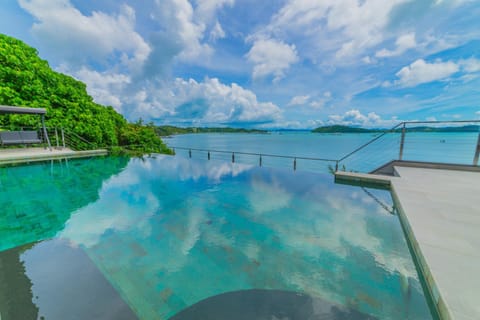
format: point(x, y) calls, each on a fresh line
point(342, 129)
point(469, 128)
point(170, 130)
point(347, 129)
point(26, 80)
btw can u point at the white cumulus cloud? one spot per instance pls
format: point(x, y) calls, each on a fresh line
point(403, 43)
point(182, 33)
point(320, 102)
point(77, 37)
point(186, 29)
point(217, 32)
point(299, 100)
point(339, 28)
point(421, 71)
point(315, 102)
point(203, 103)
point(185, 32)
point(206, 9)
point(271, 57)
point(102, 86)
point(470, 65)
point(355, 118)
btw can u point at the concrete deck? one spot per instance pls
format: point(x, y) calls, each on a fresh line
point(440, 213)
point(21, 155)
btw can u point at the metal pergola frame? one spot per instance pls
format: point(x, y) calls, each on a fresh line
point(33, 111)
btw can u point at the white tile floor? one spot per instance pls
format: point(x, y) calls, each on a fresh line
point(443, 209)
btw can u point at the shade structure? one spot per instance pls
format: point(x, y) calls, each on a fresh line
point(26, 110)
point(21, 110)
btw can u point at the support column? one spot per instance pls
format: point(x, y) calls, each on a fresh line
point(45, 134)
point(56, 138)
point(477, 151)
point(63, 138)
point(402, 142)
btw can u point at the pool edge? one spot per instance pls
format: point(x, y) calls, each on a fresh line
point(435, 300)
point(53, 156)
point(432, 294)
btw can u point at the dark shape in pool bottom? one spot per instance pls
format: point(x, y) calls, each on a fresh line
point(258, 304)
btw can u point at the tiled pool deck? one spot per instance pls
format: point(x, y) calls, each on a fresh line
point(19, 155)
point(440, 213)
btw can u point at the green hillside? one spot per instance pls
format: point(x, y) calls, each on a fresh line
point(26, 80)
point(171, 130)
point(468, 128)
point(342, 129)
point(347, 129)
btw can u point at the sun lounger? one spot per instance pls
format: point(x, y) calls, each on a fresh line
point(19, 137)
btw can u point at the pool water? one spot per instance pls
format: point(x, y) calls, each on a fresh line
point(118, 238)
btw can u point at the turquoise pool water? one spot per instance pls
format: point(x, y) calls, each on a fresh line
point(114, 238)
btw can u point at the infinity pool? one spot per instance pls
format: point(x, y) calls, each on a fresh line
point(169, 237)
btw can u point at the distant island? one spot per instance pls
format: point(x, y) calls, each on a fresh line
point(348, 129)
point(469, 128)
point(164, 131)
point(343, 129)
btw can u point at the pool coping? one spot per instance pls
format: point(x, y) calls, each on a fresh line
point(26, 155)
point(434, 297)
point(398, 187)
point(385, 182)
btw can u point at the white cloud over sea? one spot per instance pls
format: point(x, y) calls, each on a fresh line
point(273, 63)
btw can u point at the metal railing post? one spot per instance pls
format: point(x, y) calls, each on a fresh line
point(63, 138)
point(402, 142)
point(45, 133)
point(56, 137)
point(477, 151)
point(260, 156)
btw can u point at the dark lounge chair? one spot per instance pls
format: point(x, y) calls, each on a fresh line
point(19, 137)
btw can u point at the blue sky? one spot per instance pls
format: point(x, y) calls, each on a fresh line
point(266, 64)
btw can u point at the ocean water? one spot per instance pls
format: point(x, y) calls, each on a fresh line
point(434, 147)
point(119, 238)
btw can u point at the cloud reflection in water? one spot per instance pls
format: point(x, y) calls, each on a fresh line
point(169, 232)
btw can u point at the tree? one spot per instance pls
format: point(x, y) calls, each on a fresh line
point(27, 80)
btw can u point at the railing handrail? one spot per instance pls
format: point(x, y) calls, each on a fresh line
point(393, 129)
point(255, 154)
point(79, 139)
point(370, 142)
point(404, 123)
point(78, 136)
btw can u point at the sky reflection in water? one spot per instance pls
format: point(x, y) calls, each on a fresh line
point(169, 232)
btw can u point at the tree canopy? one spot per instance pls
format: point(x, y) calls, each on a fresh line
point(26, 80)
point(171, 130)
point(342, 129)
point(347, 129)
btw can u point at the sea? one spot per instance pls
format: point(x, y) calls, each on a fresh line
point(303, 150)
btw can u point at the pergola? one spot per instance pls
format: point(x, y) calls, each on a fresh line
point(25, 110)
